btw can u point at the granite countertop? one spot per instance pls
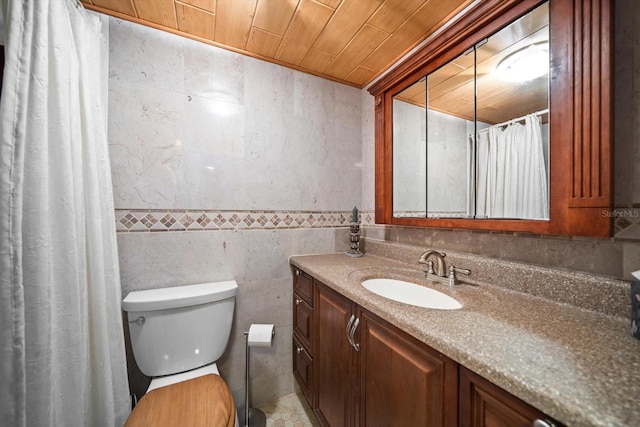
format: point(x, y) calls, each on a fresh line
point(580, 366)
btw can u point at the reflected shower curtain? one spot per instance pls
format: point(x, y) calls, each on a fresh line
point(511, 173)
point(61, 339)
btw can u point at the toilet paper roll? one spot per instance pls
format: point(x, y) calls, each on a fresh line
point(260, 335)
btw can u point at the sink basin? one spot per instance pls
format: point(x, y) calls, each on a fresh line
point(411, 293)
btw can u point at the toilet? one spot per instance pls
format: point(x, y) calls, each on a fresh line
point(177, 334)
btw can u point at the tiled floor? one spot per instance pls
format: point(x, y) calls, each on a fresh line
point(289, 411)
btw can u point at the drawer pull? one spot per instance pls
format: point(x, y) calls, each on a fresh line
point(297, 272)
point(542, 423)
point(352, 334)
point(349, 329)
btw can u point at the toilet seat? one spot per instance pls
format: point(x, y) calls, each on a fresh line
point(158, 382)
point(202, 401)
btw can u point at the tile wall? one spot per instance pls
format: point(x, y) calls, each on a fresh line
point(224, 166)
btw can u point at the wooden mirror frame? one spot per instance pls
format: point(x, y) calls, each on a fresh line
point(580, 114)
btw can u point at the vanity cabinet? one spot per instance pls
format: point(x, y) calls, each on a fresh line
point(303, 332)
point(483, 404)
point(370, 373)
point(357, 369)
point(336, 367)
point(403, 382)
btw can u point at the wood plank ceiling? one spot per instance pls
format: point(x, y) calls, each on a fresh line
point(349, 41)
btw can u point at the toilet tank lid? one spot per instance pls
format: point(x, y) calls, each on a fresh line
point(179, 296)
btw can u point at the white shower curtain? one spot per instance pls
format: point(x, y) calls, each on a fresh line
point(61, 337)
point(511, 173)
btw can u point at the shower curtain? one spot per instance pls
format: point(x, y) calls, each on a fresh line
point(511, 172)
point(61, 339)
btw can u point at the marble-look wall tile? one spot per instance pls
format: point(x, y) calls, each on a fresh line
point(487, 244)
point(312, 241)
point(625, 89)
point(257, 260)
point(605, 257)
point(266, 253)
point(147, 157)
point(341, 239)
point(635, 176)
point(158, 260)
point(414, 236)
point(224, 166)
point(155, 61)
point(264, 301)
point(377, 232)
point(600, 256)
point(212, 129)
point(275, 361)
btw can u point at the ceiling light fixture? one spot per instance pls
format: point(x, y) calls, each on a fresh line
point(525, 64)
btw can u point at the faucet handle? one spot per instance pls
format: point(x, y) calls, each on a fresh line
point(453, 280)
point(464, 271)
point(430, 267)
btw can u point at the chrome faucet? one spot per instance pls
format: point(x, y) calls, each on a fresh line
point(440, 263)
point(439, 274)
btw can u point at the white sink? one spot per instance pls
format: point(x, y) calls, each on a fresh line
point(411, 293)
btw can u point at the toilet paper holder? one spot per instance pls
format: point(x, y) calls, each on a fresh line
point(260, 335)
point(257, 336)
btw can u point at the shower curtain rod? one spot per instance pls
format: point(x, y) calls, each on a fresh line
point(508, 122)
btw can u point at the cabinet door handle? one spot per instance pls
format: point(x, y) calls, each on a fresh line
point(299, 350)
point(349, 329)
point(298, 301)
point(297, 272)
point(543, 423)
point(352, 334)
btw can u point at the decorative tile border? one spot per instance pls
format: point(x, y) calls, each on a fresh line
point(151, 220)
point(627, 220)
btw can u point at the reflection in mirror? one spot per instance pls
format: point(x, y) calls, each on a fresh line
point(450, 97)
point(512, 70)
point(409, 152)
point(480, 149)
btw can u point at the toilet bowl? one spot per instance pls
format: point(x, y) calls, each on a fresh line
point(177, 334)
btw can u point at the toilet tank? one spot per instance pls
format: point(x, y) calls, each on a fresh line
point(180, 328)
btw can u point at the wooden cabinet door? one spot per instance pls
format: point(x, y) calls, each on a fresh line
point(333, 358)
point(485, 404)
point(303, 285)
point(303, 369)
point(303, 322)
point(403, 381)
point(303, 330)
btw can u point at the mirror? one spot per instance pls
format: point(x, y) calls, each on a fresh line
point(470, 139)
point(579, 119)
